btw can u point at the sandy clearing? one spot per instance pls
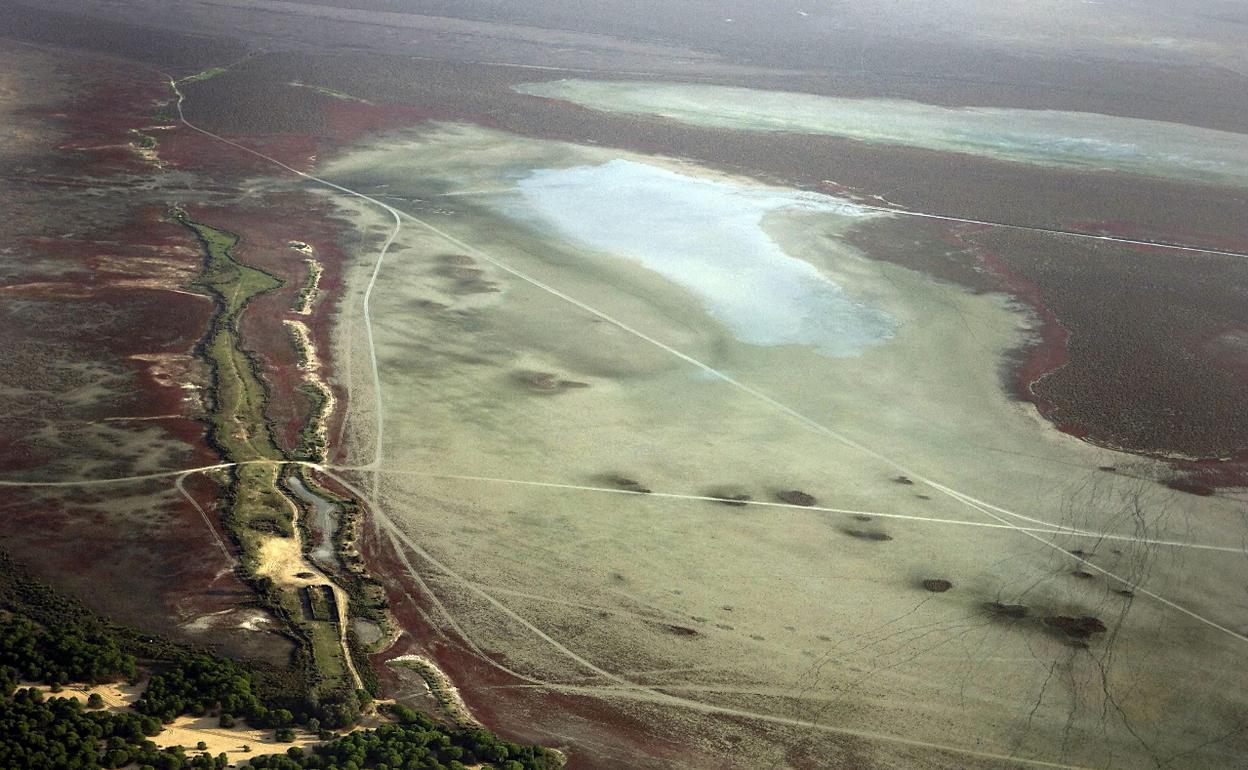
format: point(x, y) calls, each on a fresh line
point(186, 731)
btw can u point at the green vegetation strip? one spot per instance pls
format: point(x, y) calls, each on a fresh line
point(238, 425)
point(311, 435)
point(258, 508)
point(303, 302)
point(207, 74)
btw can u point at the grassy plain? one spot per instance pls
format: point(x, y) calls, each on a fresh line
point(508, 491)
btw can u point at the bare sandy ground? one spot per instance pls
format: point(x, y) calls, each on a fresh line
point(508, 493)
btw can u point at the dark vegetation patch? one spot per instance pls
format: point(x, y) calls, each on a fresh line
point(1011, 611)
point(61, 654)
point(676, 630)
point(730, 498)
point(1077, 628)
point(905, 480)
point(464, 278)
point(39, 732)
point(1204, 477)
point(460, 273)
point(796, 497)
point(937, 585)
point(546, 382)
point(416, 741)
point(1081, 627)
point(1148, 381)
point(867, 534)
point(318, 603)
point(1190, 486)
point(1126, 592)
point(626, 483)
point(1082, 575)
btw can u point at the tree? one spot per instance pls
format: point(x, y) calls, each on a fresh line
point(95, 701)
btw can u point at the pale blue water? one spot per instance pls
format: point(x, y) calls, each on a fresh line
point(1080, 140)
point(707, 237)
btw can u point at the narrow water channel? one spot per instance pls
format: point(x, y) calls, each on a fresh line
point(324, 522)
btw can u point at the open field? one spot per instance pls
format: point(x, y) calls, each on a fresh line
point(538, 379)
point(858, 402)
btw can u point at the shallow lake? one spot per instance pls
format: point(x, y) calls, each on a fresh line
point(708, 236)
